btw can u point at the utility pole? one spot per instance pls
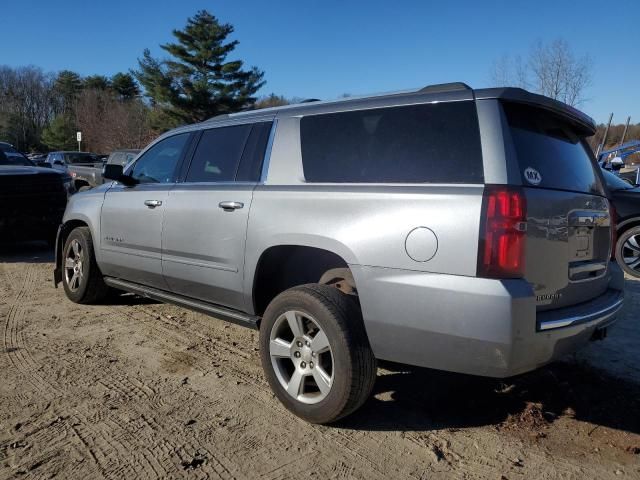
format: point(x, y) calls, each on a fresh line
point(624, 133)
point(604, 139)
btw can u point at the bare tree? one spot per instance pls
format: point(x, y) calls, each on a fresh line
point(26, 104)
point(551, 69)
point(109, 123)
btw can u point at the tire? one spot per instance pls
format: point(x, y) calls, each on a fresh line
point(84, 188)
point(632, 250)
point(88, 286)
point(346, 367)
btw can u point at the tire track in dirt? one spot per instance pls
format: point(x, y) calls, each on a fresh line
point(96, 441)
point(14, 342)
point(262, 393)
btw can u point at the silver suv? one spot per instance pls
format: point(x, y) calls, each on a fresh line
point(450, 228)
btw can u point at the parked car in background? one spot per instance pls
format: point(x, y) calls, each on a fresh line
point(32, 199)
point(85, 168)
point(122, 157)
point(10, 151)
point(626, 200)
point(450, 228)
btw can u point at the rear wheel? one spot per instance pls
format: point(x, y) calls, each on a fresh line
point(628, 251)
point(315, 353)
point(81, 277)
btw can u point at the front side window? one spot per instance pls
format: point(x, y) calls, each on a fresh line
point(158, 164)
point(430, 143)
point(217, 156)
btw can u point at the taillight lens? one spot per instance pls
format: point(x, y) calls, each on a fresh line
point(613, 219)
point(503, 233)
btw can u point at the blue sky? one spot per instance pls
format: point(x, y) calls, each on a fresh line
point(323, 49)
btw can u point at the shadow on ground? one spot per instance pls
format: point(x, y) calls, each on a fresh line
point(423, 399)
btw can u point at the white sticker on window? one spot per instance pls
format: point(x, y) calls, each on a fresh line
point(532, 176)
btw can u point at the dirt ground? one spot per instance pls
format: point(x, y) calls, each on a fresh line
point(135, 389)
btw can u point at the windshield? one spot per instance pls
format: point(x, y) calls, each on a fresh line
point(79, 157)
point(14, 159)
point(614, 182)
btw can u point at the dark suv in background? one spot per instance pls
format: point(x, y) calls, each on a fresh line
point(33, 198)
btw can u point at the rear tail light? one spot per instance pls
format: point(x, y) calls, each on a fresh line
point(613, 220)
point(501, 250)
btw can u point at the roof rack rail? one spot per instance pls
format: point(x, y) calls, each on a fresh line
point(445, 87)
point(309, 100)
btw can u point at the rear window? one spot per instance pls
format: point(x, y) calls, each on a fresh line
point(80, 158)
point(432, 143)
point(550, 152)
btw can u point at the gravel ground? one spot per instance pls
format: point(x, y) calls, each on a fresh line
point(135, 389)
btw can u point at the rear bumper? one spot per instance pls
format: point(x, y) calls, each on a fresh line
point(473, 325)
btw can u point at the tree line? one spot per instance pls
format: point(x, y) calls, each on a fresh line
point(198, 80)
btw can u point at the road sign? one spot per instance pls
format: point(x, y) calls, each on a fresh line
point(79, 136)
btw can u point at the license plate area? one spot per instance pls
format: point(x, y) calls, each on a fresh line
point(588, 244)
point(581, 243)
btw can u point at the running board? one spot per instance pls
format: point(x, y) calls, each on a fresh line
point(217, 311)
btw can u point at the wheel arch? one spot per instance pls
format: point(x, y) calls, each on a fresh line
point(626, 224)
point(63, 233)
point(280, 267)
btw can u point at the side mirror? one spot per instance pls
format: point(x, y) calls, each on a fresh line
point(113, 171)
point(59, 162)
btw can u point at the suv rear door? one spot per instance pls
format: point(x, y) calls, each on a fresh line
point(205, 223)
point(568, 224)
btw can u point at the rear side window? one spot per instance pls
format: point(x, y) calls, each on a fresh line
point(431, 143)
point(217, 156)
point(551, 154)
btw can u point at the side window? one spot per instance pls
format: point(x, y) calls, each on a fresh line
point(217, 156)
point(117, 159)
point(158, 164)
point(250, 167)
point(128, 157)
point(431, 143)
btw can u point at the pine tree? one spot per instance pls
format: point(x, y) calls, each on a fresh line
point(60, 134)
point(125, 86)
point(198, 82)
point(67, 85)
point(96, 82)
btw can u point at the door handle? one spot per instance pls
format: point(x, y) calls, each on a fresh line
point(153, 203)
point(230, 206)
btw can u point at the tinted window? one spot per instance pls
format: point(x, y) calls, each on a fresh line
point(551, 154)
point(251, 164)
point(217, 156)
point(435, 143)
point(158, 164)
point(9, 159)
point(79, 157)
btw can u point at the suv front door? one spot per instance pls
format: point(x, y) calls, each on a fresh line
point(131, 219)
point(205, 222)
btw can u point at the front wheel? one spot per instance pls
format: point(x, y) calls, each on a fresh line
point(628, 251)
point(315, 353)
point(81, 277)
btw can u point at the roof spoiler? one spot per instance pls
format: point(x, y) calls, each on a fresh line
point(445, 87)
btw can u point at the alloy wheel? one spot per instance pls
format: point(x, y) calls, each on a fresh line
point(73, 265)
point(301, 357)
point(631, 252)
